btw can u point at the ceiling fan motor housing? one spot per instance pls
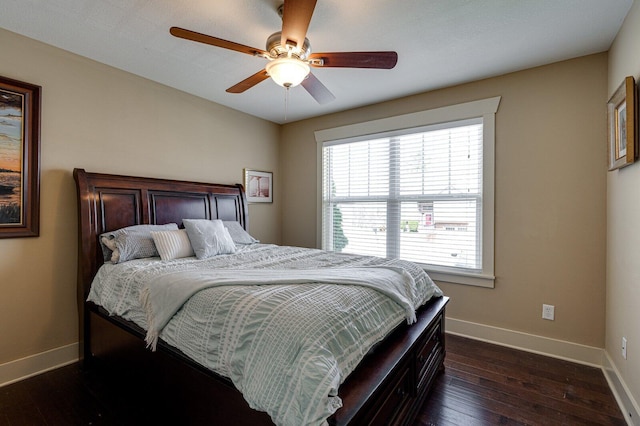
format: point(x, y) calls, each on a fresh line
point(277, 50)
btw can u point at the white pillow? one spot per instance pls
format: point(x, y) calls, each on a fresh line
point(208, 237)
point(172, 244)
point(238, 234)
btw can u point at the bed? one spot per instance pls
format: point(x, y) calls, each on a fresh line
point(387, 386)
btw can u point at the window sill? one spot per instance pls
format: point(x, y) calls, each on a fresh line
point(477, 280)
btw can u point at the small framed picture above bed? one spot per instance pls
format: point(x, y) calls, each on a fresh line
point(622, 123)
point(258, 186)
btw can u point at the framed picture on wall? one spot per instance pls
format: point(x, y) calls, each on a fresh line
point(19, 159)
point(622, 125)
point(258, 186)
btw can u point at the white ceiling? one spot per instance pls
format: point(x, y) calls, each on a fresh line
point(439, 42)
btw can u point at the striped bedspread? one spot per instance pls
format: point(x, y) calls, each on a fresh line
point(286, 347)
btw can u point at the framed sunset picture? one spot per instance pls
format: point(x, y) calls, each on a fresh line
point(19, 158)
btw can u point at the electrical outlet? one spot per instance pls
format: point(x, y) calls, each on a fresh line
point(548, 312)
point(624, 347)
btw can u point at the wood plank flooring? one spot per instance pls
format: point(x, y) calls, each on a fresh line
point(482, 384)
point(485, 384)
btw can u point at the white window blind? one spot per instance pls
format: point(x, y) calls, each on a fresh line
point(415, 196)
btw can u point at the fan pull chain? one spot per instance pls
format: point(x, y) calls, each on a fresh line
point(286, 102)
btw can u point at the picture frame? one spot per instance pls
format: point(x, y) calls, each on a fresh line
point(622, 125)
point(258, 186)
point(19, 158)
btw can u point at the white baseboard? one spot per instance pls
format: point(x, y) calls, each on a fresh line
point(561, 349)
point(625, 400)
point(23, 368)
point(582, 354)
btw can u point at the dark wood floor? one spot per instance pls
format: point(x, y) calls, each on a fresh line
point(485, 384)
point(482, 384)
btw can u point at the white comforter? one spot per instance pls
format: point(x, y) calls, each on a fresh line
point(285, 347)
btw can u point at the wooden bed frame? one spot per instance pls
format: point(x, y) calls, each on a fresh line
point(388, 387)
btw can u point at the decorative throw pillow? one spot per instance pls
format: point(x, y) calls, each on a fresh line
point(238, 234)
point(132, 242)
point(110, 244)
point(208, 237)
point(172, 244)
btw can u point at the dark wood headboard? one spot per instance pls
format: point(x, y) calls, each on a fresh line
point(109, 202)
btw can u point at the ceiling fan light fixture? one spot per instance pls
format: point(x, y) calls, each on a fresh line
point(287, 72)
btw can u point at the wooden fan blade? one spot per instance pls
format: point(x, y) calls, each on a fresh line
point(215, 41)
point(296, 17)
point(382, 60)
point(316, 89)
point(249, 82)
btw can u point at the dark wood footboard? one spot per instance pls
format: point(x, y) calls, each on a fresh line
point(393, 381)
point(387, 388)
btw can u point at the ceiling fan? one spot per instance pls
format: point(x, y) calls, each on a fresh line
point(289, 53)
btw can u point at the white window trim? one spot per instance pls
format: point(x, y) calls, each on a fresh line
point(485, 108)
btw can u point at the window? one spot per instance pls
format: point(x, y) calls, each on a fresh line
point(423, 192)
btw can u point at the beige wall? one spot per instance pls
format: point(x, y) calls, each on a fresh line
point(106, 120)
point(550, 196)
point(623, 232)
